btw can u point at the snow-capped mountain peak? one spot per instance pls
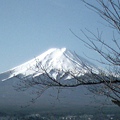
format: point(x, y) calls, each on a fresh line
point(52, 60)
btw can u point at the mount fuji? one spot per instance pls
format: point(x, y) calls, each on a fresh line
point(51, 61)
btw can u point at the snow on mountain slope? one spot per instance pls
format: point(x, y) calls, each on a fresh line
point(52, 60)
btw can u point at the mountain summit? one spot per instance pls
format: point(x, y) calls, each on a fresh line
point(51, 61)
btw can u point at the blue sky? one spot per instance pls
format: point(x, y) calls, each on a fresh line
point(30, 27)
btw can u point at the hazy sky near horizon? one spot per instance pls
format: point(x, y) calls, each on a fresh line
point(30, 27)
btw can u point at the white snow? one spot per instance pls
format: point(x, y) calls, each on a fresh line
point(53, 59)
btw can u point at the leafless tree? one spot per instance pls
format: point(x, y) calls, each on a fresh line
point(102, 83)
point(109, 11)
